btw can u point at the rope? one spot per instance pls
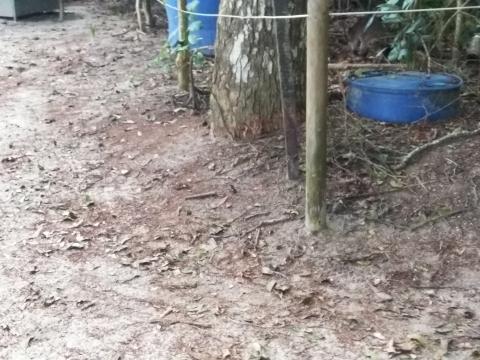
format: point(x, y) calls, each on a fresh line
point(302, 16)
point(334, 14)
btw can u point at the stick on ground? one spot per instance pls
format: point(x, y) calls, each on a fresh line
point(201, 196)
point(447, 139)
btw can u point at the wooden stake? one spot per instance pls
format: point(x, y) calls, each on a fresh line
point(317, 115)
point(61, 10)
point(458, 33)
point(183, 55)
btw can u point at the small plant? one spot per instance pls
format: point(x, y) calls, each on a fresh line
point(425, 32)
point(184, 54)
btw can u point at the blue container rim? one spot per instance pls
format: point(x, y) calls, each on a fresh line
point(446, 87)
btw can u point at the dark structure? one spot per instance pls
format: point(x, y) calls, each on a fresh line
point(17, 8)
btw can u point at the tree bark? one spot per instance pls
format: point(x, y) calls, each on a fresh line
point(245, 98)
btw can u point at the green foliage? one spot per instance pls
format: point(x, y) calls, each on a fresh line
point(425, 31)
point(166, 57)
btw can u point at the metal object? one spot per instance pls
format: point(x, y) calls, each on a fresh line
point(17, 8)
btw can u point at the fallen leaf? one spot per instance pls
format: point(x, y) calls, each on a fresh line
point(267, 271)
point(378, 336)
point(9, 159)
point(69, 216)
point(271, 285)
point(219, 203)
point(50, 301)
point(383, 297)
point(445, 328)
point(146, 261)
point(283, 288)
point(75, 246)
point(390, 348)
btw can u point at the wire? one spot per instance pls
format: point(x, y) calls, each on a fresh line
point(243, 17)
point(334, 14)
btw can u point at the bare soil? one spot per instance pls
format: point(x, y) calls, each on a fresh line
point(107, 252)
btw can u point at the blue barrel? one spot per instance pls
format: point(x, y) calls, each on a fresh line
point(404, 97)
point(207, 32)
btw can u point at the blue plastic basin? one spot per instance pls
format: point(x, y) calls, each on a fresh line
point(208, 30)
point(404, 97)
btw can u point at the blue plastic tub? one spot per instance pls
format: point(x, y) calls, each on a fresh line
point(404, 97)
point(208, 30)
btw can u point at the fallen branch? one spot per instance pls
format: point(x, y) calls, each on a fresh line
point(437, 218)
point(201, 196)
point(94, 65)
point(445, 140)
point(269, 222)
point(249, 217)
point(364, 258)
point(190, 323)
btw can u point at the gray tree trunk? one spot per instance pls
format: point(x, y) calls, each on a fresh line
point(245, 98)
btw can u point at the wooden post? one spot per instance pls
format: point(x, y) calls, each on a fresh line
point(457, 34)
point(317, 115)
point(61, 10)
point(287, 89)
point(183, 55)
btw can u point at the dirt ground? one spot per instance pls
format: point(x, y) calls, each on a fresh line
point(107, 252)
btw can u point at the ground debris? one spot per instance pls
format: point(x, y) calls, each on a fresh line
point(201, 196)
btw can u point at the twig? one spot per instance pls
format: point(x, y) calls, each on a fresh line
point(369, 257)
point(94, 65)
point(269, 223)
point(257, 239)
point(434, 219)
point(435, 287)
point(175, 322)
point(249, 217)
point(201, 196)
point(447, 139)
point(230, 222)
point(166, 312)
point(121, 33)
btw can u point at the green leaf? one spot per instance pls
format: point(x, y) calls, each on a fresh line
point(198, 58)
point(408, 4)
point(194, 26)
point(193, 5)
point(193, 39)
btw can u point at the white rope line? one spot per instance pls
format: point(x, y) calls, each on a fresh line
point(243, 17)
point(334, 14)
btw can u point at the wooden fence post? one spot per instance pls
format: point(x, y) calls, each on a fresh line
point(317, 115)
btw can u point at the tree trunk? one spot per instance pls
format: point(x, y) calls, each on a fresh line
point(246, 92)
